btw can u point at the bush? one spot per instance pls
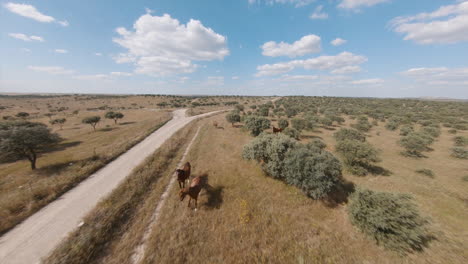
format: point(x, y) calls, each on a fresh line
point(459, 153)
point(299, 124)
point(270, 150)
point(465, 178)
point(460, 141)
point(391, 125)
point(256, 124)
point(452, 131)
point(294, 133)
point(312, 170)
point(233, 117)
point(358, 156)
point(405, 130)
point(426, 172)
point(415, 143)
point(351, 134)
point(317, 143)
point(391, 219)
point(362, 124)
point(432, 131)
point(283, 123)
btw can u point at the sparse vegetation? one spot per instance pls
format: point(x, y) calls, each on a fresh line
point(427, 172)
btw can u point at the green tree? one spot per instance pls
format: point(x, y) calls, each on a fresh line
point(91, 120)
point(26, 139)
point(358, 156)
point(283, 123)
point(114, 115)
point(233, 117)
point(391, 219)
point(299, 124)
point(256, 124)
point(58, 121)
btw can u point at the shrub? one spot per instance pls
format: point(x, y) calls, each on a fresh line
point(233, 117)
point(391, 125)
point(460, 141)
point(312, 170)
point(326, 121)
point(317, 143)
point(294, 133)
point(415, 143)
point(426, 172)
point(283, 123)
point(59, 121)
point(432, 131)
point(405, 130)
point(391, 219)
point(358, 156)
point(22, 115)
point(256, 124)
point(465, 178)
point(263, 111)
point(299, 124)
point(362, 124)
point(452, 131)
point(270, 150)
point(459, 153)
point(351, 134)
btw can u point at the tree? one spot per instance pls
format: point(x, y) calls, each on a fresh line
point(415, 143)
point(92, 120)
point(22, 115)
point(299, 124)
point(233, 117)
point(283, 123)
point(114, 115)
point(26, 139)
point(59, 121)
point(256, 124)
point(292, 132)
point(391, 219)
point(358, 156)
point(312, 170)
point(347, 133)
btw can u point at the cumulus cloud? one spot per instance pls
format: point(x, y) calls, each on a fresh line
point(356, 4)
point(448, 24)
point(296, 3)
point(368, 82)
point(318, 14)
point(92, 77)
point(342, 62)
point(98, 54)
point(54, 70)
point(338, 42)
point(347, 70)
point(160, 45)
point(30, 11)
point(61, 51)
point(121, 74)
point(439, 76)
point(235, 77)
point(25, 37)
point(306, 45)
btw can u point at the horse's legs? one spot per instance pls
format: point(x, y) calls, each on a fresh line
point(189, 200)
point(180, 186)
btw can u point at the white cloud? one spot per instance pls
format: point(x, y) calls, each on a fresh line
point(296, 3)
point(121, 74)
point(439, 76)
point(63, 23)
point(161, 46)
point(30, 11)
point(25, 37)
point(335, 63)
point(306, 45)
point(356, 4)
point(368, 82)
point(287, 77)
point(26, 50)
point(448, 24)
point(347, 70)
point(338, 42)
point(214, 81)
point(98, 54)
point(318, 14)
point(54, 70)
point(62, 51)
point(92, 77)
point(235, 77)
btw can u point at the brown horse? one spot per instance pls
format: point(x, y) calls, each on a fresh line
point(183, 174)
point(276, 130)
point(192, 191)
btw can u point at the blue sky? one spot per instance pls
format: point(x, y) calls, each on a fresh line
point(378, 48)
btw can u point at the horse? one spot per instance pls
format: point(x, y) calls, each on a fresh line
point(192, 191)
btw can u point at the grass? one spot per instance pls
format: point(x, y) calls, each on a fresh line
point(23, 192)
point(110, 218)
point(426, 172)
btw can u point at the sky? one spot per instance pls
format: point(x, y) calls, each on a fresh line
point(358, 48)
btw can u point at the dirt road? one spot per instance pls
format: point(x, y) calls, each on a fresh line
point(38, 235)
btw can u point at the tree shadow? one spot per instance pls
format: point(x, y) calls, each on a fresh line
point(238, 126)
point(107, 129)
point(377, 170)
point(214, 193)
point(220, 127)
point(340, 193)
point(310, 137)
point(51, 169)
point(126, 123)
point(63, 146)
